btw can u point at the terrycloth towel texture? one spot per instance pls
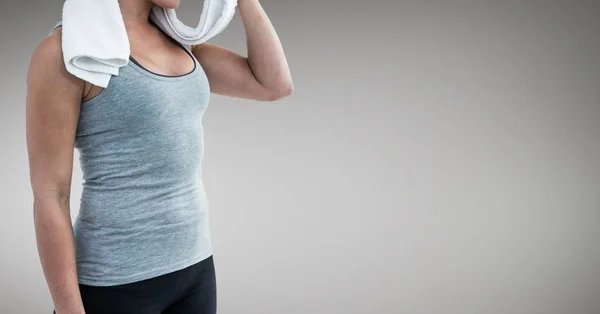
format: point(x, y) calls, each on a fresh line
point(95, 43)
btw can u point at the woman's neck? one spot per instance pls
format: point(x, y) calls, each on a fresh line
point(135, 12)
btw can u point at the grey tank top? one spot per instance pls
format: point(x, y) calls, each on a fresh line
point(143, 209)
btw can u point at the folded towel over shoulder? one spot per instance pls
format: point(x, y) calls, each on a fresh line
point(95, 43)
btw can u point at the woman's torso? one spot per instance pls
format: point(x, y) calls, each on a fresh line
point(143, 208)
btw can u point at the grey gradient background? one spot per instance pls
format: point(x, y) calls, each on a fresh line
point(436, 157)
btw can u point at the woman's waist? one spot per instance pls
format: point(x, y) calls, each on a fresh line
point(123, 174)
point(118, 207)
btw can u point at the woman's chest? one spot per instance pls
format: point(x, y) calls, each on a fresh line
point(136, 102)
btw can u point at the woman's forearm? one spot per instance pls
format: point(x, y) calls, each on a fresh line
point(54, 236)
point(265, 52)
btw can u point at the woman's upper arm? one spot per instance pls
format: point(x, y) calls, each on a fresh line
point(52, 113)
point(229, 73)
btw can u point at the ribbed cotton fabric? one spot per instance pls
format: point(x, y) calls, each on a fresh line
point(143, 209)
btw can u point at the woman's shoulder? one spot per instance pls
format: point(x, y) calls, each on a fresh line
point(47, 67)
point(47, 54)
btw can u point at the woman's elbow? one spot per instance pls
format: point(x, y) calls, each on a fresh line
point(282, 90)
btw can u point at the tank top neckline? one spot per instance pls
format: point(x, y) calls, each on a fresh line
point(138, 66)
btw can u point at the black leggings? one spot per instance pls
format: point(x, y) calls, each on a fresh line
point(189, 290)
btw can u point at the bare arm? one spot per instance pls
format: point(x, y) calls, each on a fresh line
point(52, 112)
point(263, 75)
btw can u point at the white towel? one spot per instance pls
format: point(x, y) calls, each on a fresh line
point(95, 43)
point(216, 15)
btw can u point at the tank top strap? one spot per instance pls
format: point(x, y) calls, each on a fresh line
point(59, 24)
